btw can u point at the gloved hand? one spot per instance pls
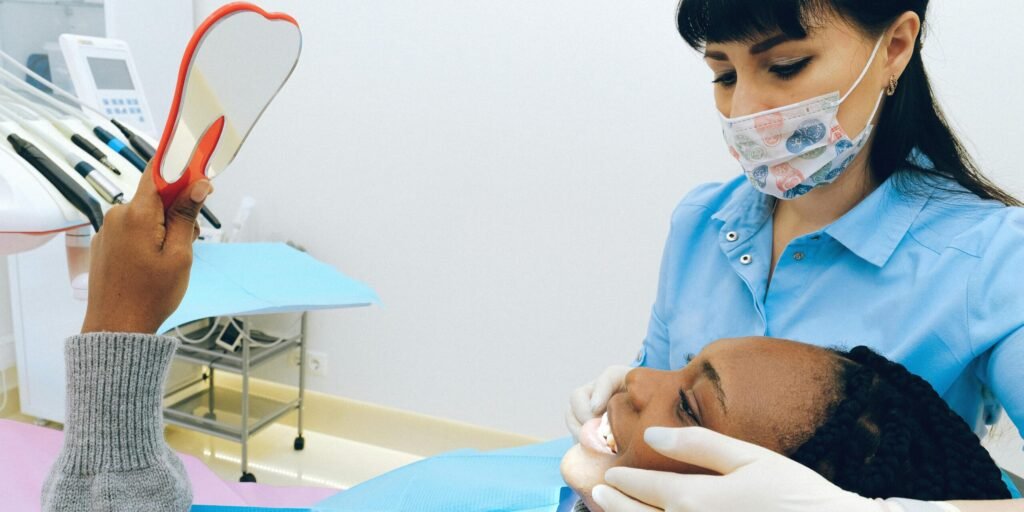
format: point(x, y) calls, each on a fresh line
point(753, 478)
point(590, 400)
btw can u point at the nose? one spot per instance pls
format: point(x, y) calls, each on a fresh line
point(641, 386)
point(746, 99)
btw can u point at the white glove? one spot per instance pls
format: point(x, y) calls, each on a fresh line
point(589, 401)
point(753, 478)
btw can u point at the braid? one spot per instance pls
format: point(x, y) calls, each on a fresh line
point(892, 435)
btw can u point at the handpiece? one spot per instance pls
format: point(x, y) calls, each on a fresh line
point(93, 151)
point(75, 138)
point(106, 189)
point(142, 147)
point(67, 187)
point(118, 146)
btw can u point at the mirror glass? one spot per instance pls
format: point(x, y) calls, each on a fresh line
point(241, 59)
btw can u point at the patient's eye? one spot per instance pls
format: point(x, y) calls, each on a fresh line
point(686, 408)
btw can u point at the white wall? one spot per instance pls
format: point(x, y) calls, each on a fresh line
point(503, 174)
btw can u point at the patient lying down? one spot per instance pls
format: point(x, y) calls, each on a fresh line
point(863, 422)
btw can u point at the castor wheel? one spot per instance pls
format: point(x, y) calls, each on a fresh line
point(300, 443)
point(212, 416)
point(248, 478)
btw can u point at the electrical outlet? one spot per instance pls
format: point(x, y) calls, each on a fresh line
point(316, 363)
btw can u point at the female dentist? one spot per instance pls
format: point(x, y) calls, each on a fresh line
point(859, 218)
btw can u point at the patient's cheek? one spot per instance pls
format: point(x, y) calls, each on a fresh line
point(642, 456)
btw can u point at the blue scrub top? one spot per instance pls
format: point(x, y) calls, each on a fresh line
point(931, 279)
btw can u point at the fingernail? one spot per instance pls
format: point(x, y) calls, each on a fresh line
point(658, 437)
point(600, 495)
point(201, 190)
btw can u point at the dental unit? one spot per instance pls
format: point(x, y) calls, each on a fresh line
point(28, 120)
point(113, 142)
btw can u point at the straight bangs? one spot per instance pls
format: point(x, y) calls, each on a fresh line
point(725, 21)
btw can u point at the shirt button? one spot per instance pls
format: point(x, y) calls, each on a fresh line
point(732, 236)
point(746, 259)
point(798, 256)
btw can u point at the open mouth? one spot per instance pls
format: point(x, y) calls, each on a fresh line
point(605, 431)
point(597, 435)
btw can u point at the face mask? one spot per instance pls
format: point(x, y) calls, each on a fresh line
point(788, 151)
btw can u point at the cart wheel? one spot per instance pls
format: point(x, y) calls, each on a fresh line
point(248, 477)
point(210, 415)
point(300, 443)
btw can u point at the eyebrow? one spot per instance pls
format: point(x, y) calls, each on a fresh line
point(761, 47)
point(712, 375)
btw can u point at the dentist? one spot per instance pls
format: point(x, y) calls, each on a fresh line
point(858, 218)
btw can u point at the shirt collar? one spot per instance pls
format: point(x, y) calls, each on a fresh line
point(746, 207)
point(872, 229)
point(875, 227)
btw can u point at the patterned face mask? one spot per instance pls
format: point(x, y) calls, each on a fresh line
point(788, 151)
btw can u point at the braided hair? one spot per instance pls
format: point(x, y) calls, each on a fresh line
point(891, 435)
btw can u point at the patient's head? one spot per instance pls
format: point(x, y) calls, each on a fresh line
point(863, 422)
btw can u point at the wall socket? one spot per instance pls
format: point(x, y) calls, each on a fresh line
point(316, 362)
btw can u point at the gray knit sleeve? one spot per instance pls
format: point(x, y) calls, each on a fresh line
point(114, 456)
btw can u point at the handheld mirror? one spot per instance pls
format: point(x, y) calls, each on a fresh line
point(234, 65)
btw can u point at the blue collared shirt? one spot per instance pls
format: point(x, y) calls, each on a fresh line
point(932, 279)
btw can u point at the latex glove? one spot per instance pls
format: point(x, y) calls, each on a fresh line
point(753, 478)
point(140, 260)
point(590, 400)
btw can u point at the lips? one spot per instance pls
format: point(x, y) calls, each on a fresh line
point(596, 436)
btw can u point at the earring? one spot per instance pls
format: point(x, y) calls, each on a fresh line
point(893, 82)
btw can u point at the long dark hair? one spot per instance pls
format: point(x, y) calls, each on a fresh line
point(891, 435)
point(911, 119)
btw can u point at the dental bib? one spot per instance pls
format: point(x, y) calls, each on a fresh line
point(788, 151)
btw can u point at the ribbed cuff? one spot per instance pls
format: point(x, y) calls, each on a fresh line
point(115, 385)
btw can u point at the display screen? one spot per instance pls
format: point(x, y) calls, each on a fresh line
point(110, 73)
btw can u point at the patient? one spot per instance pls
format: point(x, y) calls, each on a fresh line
point(863, 422)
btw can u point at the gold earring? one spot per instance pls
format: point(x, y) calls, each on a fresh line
point(893, 82)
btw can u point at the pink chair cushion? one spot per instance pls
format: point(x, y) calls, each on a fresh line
point(28, 451)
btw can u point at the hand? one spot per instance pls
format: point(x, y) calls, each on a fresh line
point(141, 260)
point(753, 478)
point(589, 401)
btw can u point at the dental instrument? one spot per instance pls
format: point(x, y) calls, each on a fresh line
point(106, 189)
point(114, 143)
point(141, 147)
point(110, 140)
point(69, 188)
point(75, 138)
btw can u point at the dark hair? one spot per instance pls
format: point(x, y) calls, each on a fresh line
point(911, 119)
point(892, 435)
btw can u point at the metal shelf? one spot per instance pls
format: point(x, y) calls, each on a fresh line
point(218, 412)
point(209, 354)
point(228, 414)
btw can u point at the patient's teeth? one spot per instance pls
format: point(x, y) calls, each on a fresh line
point(605, 431)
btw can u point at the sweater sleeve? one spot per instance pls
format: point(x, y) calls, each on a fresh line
point(114, 456)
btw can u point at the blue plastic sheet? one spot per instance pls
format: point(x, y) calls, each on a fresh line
point(239, 279)
point(525, 479)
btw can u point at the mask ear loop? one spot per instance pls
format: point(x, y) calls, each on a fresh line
point(863, 72)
